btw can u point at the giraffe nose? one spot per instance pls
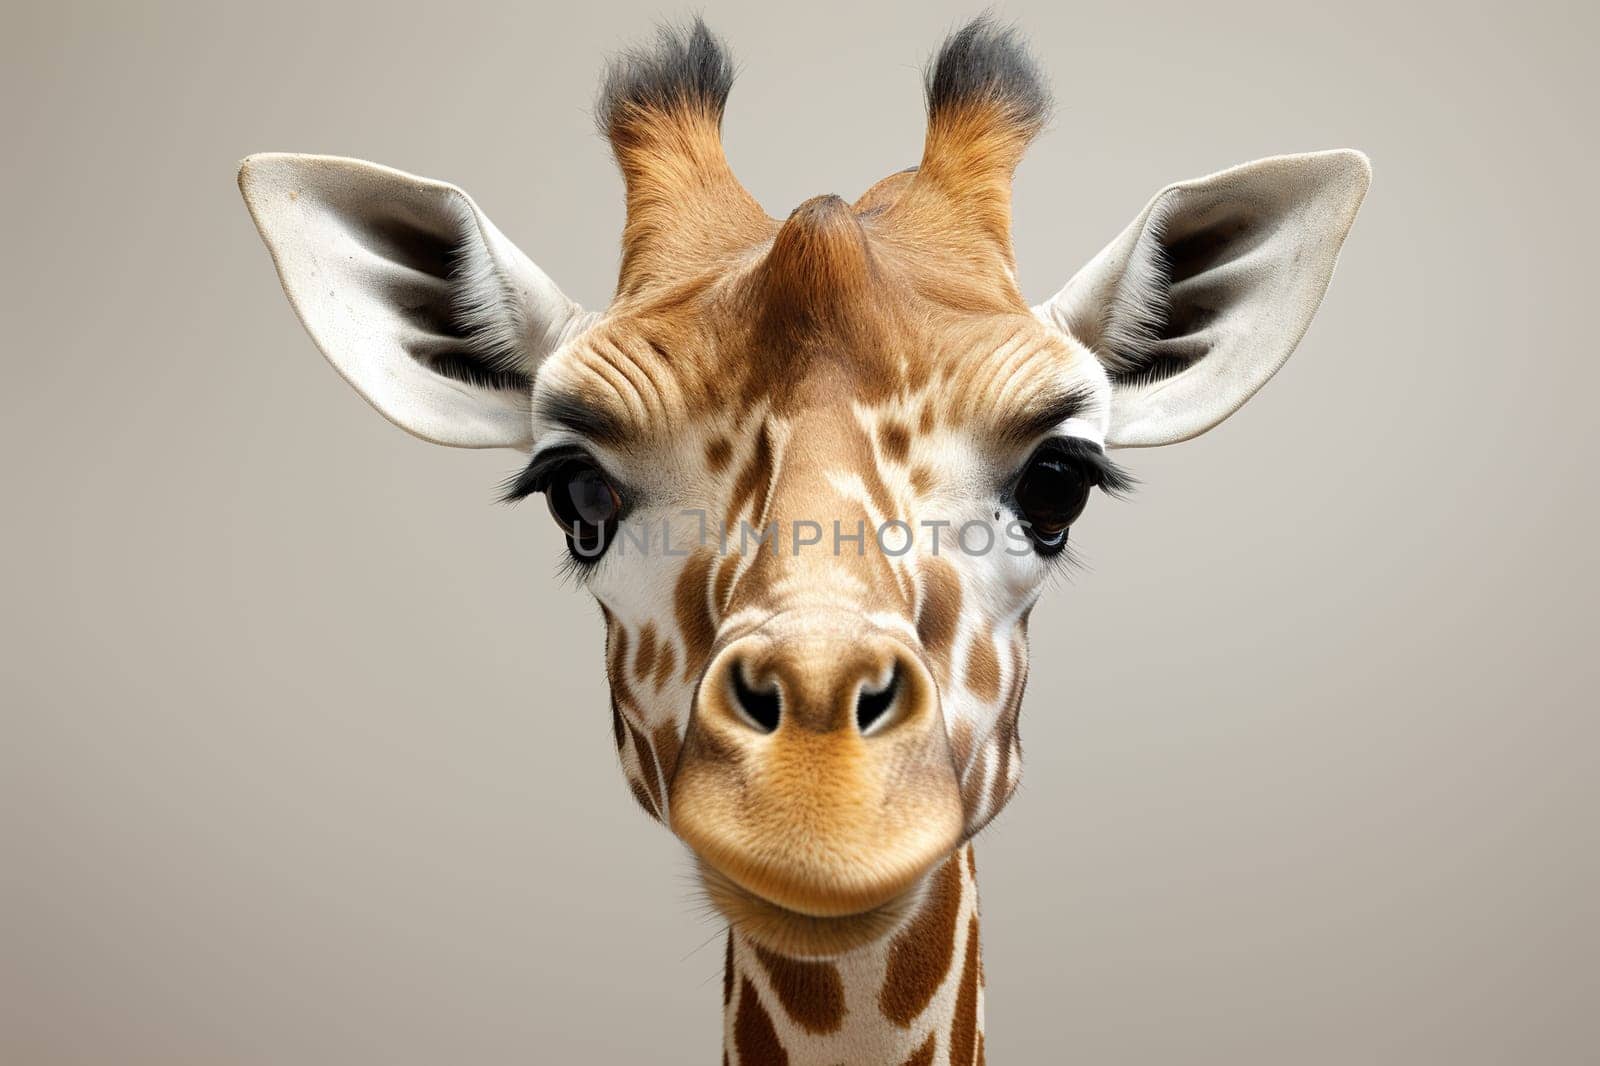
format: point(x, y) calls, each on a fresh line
point(816, 774)
point(872, 686)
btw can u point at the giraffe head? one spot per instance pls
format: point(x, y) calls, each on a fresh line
point(816, 471)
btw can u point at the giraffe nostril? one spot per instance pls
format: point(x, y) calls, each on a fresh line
point(873, 707)
point(760, 706)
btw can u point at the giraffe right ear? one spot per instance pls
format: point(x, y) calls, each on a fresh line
point(425, 308)
point(1198, 302)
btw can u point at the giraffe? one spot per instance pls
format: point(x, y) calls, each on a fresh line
point(816, 472)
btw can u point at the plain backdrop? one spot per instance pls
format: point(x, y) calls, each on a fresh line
point(305, 755)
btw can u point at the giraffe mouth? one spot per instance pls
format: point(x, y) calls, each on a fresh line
point(797, 935)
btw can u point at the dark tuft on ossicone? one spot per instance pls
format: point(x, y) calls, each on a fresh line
point(987, 64)
point(686, 68)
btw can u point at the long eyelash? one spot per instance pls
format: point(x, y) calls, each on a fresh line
point(574, 569)
point(534, 478)
point(536, 475)
point(1115, 481)
point(1065, 564)
point(1112, 479)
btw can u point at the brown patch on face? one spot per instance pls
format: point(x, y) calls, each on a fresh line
point(939, 611)
point(961, 744)
point(722, 587)
point(753, 1034)
point(983, 668)
point(895, 441)
point(719, 450)
point(695, 624)
point(811, 992)
point(647, 766)
point(755, 478)
point(927, 419)
point(616, 724)
point(972, 862)
point(664, 664)
point(879, 493)
point(921, 479)
point(642, 798)
point(921, 955)
point(964, 1029)
point(923, 1056)
point(616, 653)
point(1006, 743)
point(982, 1060)
point(727, 971)
point(1008, 731)
point(666, 745)
point(644, 662)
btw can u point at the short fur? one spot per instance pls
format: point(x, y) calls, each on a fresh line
point(661, 107)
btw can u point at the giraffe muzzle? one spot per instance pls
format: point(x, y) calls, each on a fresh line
point(816, 774)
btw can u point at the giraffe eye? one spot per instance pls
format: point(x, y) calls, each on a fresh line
point(1051, 494)
point(1053, 488)
point(585, 505)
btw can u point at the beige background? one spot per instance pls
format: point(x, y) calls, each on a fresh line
point(305, 753)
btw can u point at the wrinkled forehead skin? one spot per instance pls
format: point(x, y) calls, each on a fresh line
point(839, 309)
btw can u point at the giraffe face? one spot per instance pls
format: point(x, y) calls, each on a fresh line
point(815, 472)
point(817, 581)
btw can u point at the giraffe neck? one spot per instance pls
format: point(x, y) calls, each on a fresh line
point(914, 998)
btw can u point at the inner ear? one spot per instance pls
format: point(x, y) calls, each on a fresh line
point(1159, 325)
point(448, 291)
point(1197, 248)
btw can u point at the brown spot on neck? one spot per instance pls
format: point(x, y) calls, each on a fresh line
point(921, 955)
point(753, 1034)
point(811, 992)
point(923, 1056)
point(964, 1028)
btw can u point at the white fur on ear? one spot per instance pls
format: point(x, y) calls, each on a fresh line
point(425, 308)
point(1205, 295)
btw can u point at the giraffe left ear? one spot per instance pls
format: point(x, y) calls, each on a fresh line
point(1198, 302)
